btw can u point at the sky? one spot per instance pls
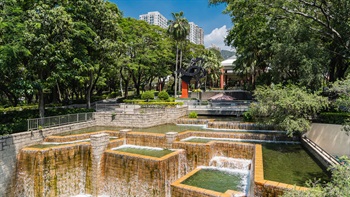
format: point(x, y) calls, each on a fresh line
point(209, 17)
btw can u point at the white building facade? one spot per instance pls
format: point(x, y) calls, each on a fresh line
point(196, 34)
point(155, 18)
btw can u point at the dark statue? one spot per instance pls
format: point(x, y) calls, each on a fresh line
point(193, 71)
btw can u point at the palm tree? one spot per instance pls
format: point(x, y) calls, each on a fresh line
point(212, 63)
point(178, 29)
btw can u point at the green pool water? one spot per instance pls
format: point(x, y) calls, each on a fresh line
point(182, 128)
point(156, 129)
point(216, 180)
point(90, 130)
point(45, 145)
point(222, 118)
point(147, 152)
point(291, 164)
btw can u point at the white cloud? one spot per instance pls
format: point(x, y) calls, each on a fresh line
point(216, 37)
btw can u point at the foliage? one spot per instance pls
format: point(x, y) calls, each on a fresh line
point(338, 186)
point(298, 41)
point(247, 116)
point(333, 117)
point(178, 29)
point(193, 114)
point(163, 95)
point(159, 104)
point(147, 95)
point(341, 89)
point(288, 107)
point(16, 121)
point(197, 90)
point(146, 53)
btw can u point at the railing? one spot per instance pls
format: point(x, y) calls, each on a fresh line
point(238, 105)
point(54, 121)
point(330, 159)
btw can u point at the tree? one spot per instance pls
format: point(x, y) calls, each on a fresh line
point(289, 108)
point(48, 39)
point(212, 64)
point(299, 41)
point(146, 53)
point(96, 41)
point(178, 29)
point(341, 91)
point(13, 82)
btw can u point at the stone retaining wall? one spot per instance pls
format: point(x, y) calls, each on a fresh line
point(10, 146)
point(145, 117)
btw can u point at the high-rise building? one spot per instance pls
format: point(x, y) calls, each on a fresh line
point(196, 34)
point(155, 18)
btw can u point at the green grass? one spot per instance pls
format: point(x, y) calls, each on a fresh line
point(147, 152)
point(290, 164)
point(215, 180)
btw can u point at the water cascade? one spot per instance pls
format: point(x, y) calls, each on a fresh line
point(56, 171)
point(131, 174)
point(233, 163)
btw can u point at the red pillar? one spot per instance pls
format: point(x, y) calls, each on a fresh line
point(184, 92)
point(222, 79)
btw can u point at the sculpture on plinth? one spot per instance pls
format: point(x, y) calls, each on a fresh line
point(193, 71)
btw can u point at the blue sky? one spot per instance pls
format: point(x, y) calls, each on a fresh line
point(214, 23)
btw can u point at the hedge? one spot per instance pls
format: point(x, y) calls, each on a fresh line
point(159, 104)
point(332, 117)
point(16, 121)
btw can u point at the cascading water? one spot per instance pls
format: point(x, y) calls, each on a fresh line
point(60, 171)
point(233, 163)
point(234, 166)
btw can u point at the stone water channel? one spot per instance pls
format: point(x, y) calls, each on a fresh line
point(95, 163)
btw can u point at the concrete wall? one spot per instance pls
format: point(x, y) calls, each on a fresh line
point(330, 138)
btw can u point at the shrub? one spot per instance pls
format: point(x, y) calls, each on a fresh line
point(16, 121)
point(247, 116)
point(333, 117)
point(163, 95)
point(147, 95)
point(157, 104)
point(193, 115)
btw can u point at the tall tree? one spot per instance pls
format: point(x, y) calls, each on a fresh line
point(179, 29)
point(289, 41)
point(13, 82)
point(96, 40)
point(145, 47)
point(48, 39)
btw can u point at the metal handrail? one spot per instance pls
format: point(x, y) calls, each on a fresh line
point(54, 121)
point(323, 152)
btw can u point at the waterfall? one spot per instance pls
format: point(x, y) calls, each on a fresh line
point(227, 162)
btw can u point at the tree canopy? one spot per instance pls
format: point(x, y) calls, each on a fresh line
point(299, 41)
point(290, 108)
point(65, 51)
